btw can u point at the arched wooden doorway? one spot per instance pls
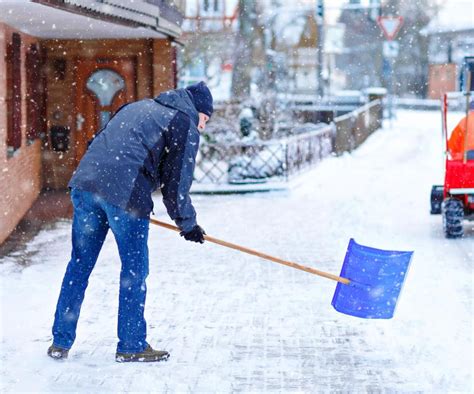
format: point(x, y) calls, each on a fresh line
point(103, 85)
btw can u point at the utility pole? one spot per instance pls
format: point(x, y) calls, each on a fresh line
point(390, 26)
point(320, 47)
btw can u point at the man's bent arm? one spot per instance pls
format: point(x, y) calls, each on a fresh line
point(177, 171)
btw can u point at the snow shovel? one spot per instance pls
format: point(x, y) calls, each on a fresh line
point(370, 283)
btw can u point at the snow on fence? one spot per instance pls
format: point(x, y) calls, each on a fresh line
point(266, 162)
point(262, 161)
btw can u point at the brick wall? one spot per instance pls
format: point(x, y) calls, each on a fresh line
point(20, 175)
point(442, 79)
point(164, 63)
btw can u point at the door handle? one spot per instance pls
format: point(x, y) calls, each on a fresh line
point(79, 121)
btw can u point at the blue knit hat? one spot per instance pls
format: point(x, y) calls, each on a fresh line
point(202, 98)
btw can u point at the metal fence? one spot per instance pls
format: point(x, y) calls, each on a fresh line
point(354, 127)
point(275, 160)
point(305, 150)
point(278, 159)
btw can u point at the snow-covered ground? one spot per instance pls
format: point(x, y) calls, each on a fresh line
point(233, 322)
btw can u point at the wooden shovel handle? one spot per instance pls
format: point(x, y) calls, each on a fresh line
point(259, 254)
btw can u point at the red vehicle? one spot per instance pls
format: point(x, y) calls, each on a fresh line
point(455, 199)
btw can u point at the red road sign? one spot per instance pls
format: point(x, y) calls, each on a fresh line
point(390, 25)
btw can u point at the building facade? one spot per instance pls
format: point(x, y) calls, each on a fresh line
point(450, 38)
point(65, 67)
point(209, 33)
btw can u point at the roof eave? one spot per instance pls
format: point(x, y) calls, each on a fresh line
point(142, 15)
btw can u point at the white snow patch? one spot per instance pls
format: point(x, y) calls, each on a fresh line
point(233, 322)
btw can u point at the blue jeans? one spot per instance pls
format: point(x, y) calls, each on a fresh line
point(92, 219)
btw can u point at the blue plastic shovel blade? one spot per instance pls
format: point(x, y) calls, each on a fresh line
point(377, 278)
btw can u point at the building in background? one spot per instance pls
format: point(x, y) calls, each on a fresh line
point(209, 34)
point(206, 16)
point(65, 67)
point(285, 40)
point(296, 39)
point(361, 59)
point(451, 38)
point(405, 70)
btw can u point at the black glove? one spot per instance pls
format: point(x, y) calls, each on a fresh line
point(196, 234)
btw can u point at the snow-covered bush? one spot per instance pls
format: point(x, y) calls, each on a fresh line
point(257, 163)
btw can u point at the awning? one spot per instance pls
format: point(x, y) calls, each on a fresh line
point(87, 19)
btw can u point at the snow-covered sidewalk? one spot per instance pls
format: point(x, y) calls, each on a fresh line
point(233, 322)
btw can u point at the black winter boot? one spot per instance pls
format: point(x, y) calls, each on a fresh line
point(147, 355)
point(57, 353)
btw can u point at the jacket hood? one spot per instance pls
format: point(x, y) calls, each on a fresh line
point(180, 100)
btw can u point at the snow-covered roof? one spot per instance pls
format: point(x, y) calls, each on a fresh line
point(455, 16)
point(86, 20)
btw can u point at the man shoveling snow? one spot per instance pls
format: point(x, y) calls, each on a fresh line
point(147, 144)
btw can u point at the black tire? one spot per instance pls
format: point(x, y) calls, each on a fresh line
point(436, 199)
point(453, 214)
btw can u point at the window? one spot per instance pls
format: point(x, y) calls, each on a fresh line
point(14, 94)
point(211, 7)
point(105, 84)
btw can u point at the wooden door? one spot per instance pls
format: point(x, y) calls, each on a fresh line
point(103, 85)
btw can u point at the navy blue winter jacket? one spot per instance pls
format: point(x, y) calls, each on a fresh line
point(147, 144)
